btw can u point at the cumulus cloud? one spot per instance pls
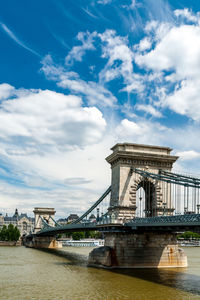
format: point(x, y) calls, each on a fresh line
point(141, 131)
point(70, 181)
point(47, 142)
point(180, 138)
point(6, 90)
point(46, 119)
point(185, 99)
point(173, 64)
point(183, 58)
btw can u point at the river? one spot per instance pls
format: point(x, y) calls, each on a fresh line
point(27, 274)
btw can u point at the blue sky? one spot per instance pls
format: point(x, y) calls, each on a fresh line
point(77, 77)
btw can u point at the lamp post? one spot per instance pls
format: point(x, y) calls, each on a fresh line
point(97, 214)
point(198, 207)
point(164, 206)
point(140, 207)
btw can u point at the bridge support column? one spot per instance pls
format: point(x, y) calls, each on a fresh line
point(145, 250)
point(43, 242)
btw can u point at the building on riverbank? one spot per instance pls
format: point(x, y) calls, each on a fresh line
point(24, 223)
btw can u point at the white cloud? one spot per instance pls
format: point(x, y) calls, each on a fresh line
point(104, 2)
point(185, 99)
point(115, 48)
point(95, 93)
point(132, 5)
point(188, 155)
point(183, 58)
point(48, 140)
point(46, 119)
point(144, 44)
point(184, 139)
point(149, 109)
point(187, 15)
point(69, 181)
point(17, 40)
point(141, 131)
point(6, 90)
point(77, 52)
point(173, 65)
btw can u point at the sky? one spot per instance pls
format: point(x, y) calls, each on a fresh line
point(77, 77)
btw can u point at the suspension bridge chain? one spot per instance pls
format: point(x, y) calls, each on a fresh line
point(93, 206)
point(170, 177)
point(44, 222)
point(181, 220)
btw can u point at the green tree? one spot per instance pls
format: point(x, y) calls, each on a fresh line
point(16, 234)
point(3, 233)
point(78, 235)
point(9, 234)
point(189, 235)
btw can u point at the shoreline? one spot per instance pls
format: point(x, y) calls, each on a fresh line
point(10, 243)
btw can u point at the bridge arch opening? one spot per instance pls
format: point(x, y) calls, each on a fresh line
point(146, 199)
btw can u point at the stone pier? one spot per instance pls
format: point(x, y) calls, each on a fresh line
point(142, 250)
point(42, 214)
point(42, 242)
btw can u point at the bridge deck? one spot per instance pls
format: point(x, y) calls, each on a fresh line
point(170, 223)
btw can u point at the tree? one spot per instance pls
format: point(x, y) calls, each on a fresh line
point(16, 234)
point(9, 234)
point(3, 233)
point(78, 235)
point(189, 235)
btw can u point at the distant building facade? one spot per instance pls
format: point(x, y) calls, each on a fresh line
point(24, 223)
point(69, 219)
point(73, 217)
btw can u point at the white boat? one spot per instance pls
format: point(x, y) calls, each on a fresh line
point(83, 243)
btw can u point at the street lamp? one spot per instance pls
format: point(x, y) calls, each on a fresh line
point(97, 214)
point(198, 207)
point(140, 207)
point(164, 206)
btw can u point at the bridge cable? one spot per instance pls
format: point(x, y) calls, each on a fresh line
point(93, 206)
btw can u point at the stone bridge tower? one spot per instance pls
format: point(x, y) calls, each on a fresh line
point(125, 182)
point(44, 213)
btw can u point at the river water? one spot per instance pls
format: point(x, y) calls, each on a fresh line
point(27, 274)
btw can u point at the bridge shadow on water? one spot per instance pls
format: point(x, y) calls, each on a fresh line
point(177, 278)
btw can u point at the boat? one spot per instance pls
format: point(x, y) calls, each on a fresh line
point(83, 243)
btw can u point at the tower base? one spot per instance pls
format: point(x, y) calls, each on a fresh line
point(144, 250)
point(45, 242)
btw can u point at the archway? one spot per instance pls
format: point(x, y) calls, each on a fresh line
point(146, 201)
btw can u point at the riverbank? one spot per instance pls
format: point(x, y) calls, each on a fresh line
point(10, 244)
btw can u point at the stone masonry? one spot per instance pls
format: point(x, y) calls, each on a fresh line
point(125, 183)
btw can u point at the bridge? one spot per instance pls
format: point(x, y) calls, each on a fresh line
point(140, 214)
